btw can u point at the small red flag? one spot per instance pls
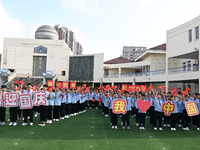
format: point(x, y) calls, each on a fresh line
point(185, 93)
point(188, 89)
point(22, 82)
point(17, 81)
point(160, 87)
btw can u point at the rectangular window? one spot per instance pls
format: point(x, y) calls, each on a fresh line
point(189, 65)
point(197, 33)
point(190, 35)
point(63, 73)
point(184, 66)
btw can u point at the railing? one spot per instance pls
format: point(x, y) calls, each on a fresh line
point(192, 68)
point(185, 69)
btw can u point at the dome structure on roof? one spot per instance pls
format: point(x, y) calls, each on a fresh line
point(46, 32)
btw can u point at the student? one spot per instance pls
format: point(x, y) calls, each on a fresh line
point(63, 104)
point(180, 108)
point(158, 112)
point(126, 116)
point(173, 115)
point(2, 108)
point(68, 96)
point(166, 118)
point(50, 101)
point(43, 108)
point(197, 117)
point(90, 95)
point(113, 116)
point(57, 104)
point(139, 94)
point(106, 104)
point(97, 95)
point(28, 112)
point(14, 110)
point(142, 115)
point(151, 109)
point(185, 117)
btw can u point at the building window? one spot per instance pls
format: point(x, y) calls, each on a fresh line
point(184, 86)
point(63, 73)
point(106, 71)
point(197, 32)
point(184, 66)
point(190, 35)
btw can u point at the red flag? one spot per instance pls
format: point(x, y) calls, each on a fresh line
point(174, 89)
point(107, 87)
point(188, 89)
point(25, 85)
point(144, 88)
point(17, 81)
point(131, 88)
point(160, 87)
point(179, 90)
point(22, 82)
point(185, 93)
point(84, 85)
point(137, 88)
point(38, 85)
point(114, 87)
point(73, 85)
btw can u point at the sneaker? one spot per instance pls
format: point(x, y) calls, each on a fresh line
point(106, 115)
point(8, 120)
point(172, 129)
point(168, 125)
point(179, 125)
point(62, 118)
point(10, 124)
point(57, 120)
point(96, 107)
point(140, 128)
point(121, 123)
point(137, 124)
point(35, 115)
point(43, 124)
point(24, 124)
point(47, 121)
point(155, 128)
point(2, 123)
point(54, 119)
point(31, 124)
point(123, 127)
point(164, 125)
point(40, 124)
point(187, 129)
point(184, 129)
point(15, 124)
point(160, 129)
point(143, 128)
point(67, 116)
point(198, 129)
point(128, 127)
point(115, 127)
point(50, 121)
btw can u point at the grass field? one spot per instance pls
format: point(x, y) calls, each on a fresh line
point(91, 131)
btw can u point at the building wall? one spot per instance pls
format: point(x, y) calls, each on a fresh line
point(178, 39)
point(18, 55)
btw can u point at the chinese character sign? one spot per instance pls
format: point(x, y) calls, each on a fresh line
point(50, 83)
point(168, 108)
point(59, 84)
point(25, 101)
point(39, 98)
point(72, 85)
point(1, 98)
point(119, 106)
point(11, 100)
point(65, 85)
point(191, 108)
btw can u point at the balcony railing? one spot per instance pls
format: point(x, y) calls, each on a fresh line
point(192, 68)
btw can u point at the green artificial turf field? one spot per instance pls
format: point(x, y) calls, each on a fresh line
point(91, 131)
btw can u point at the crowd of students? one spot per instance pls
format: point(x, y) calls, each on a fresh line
point(65, 103)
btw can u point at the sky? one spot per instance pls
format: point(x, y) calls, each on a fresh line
point(101, 26)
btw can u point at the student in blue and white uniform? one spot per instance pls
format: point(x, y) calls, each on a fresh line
point(28, 112)
point(126, 116)
point(63, 104)
point(158, 112)
point(57, 105)
point(151, 109)
point(68, 97)
point(50, 103)
point(180, 107)
point(97, 95)
point(114, 117)
point(173, 116)
point(106, 104)
point(2, 108)
point(185, 117)
point(90, 95)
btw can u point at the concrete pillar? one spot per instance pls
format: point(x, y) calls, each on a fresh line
point(133, 81)
point(120, 71)
point(167, 72)
point(112, 83)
